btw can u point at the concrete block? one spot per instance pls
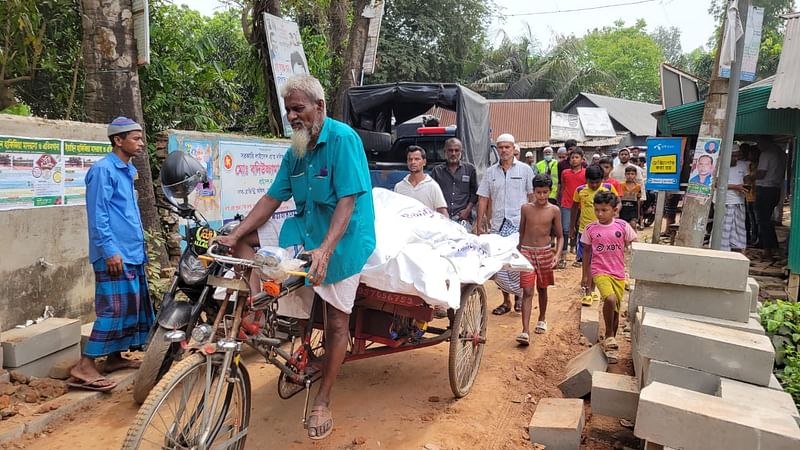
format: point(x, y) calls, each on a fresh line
point(690, 420)
point(557, 423)
point(615, 395)
point(751, 326)
point(752, 396)
point(666, 373)
point(774, 383)
point(717, 303)
point(653, 446)
point(86, 331)
point(41, 367)
point(689, 266)
point(578, 381)
point(755, 289)
point(721, 351)
point(24, 345)
point(4, 376)
point(636, 357)
point(590, 323)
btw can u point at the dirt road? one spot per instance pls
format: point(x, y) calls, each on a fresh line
point(400, 401)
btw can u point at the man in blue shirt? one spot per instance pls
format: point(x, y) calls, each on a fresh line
point(325, 171)
point(117, 253)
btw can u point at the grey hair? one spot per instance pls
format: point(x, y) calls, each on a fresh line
point(305, 84)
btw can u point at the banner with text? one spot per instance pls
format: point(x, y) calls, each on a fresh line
point(664, 168)
point(247, 171)
point(44, 172)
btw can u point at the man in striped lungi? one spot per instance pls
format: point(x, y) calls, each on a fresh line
point(117, 253)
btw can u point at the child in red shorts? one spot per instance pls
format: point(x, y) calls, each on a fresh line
point(539, 221)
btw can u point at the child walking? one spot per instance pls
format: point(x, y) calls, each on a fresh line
point(604, 242)
point(539, 220)
point(584, 203)
point(631, 199)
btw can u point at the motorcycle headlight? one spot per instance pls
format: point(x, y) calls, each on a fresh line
point(191, 270)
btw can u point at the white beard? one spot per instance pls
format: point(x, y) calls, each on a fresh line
point(300, 140)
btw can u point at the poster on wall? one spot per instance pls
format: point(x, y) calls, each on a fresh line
point(704, 162)
point(206, 197)
point(286, 56)
point(79, 157)
point(31, 172)
point(247, 170)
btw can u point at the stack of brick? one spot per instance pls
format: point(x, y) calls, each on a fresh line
point(703, 363)
point(34, 350)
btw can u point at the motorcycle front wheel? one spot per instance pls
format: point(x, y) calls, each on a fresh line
point(157, 360)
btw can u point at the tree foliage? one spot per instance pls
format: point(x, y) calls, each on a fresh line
point(669, 41)
point(22, 28)
point(431, 41)
point(191, 82)
point(630, 56)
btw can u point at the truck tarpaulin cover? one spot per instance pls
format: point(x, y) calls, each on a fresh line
point(372, 107)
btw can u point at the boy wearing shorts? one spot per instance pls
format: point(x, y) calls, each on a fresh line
point(539, 220)
point(604, 243)
point(583, 202)
point(631, 199)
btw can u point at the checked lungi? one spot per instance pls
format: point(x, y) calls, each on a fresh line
point(123, 308)
point(734, 231)
point(508, 281)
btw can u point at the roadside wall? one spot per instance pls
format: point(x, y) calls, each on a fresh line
point(44, 260)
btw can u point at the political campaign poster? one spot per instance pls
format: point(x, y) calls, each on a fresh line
point(664, 165)
point(752, 46)
point(206, 197)
point(704, 162)
point(79, 156)
point(31, 172)
point(286, 56)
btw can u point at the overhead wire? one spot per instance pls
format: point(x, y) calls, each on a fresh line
point(588, 8)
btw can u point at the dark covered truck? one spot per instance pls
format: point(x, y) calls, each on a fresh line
point(388, 119)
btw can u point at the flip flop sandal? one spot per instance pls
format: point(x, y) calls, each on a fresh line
point(595, 297)
point(500, 310)
point(323, 425)
point(610, 344)
point(541, 327)
point(586, 300)
point(523, 339)
point(91, 385)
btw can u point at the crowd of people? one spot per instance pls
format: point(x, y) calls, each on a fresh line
point(551, 204)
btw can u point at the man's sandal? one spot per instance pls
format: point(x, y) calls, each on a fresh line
point(320, 423)
point(500, 310)
point(523, 339)
point(586, 300)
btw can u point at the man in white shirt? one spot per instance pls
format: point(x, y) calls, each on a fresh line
point(507, 185)
point(734, 232)
point(419, 185)
point(770, 175)
point(618, 172)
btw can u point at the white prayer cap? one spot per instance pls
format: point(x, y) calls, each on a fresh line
point(505, 137)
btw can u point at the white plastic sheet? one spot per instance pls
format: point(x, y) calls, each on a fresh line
point(420, 252)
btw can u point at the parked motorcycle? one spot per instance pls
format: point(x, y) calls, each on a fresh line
point(188, 301)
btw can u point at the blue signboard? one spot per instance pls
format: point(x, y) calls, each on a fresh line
point(664, 163)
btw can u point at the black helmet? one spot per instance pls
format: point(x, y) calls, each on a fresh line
point(180, 174)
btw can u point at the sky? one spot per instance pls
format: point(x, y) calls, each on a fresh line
point(690, 16)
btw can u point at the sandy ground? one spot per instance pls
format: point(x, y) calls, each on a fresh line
point(402, 401)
